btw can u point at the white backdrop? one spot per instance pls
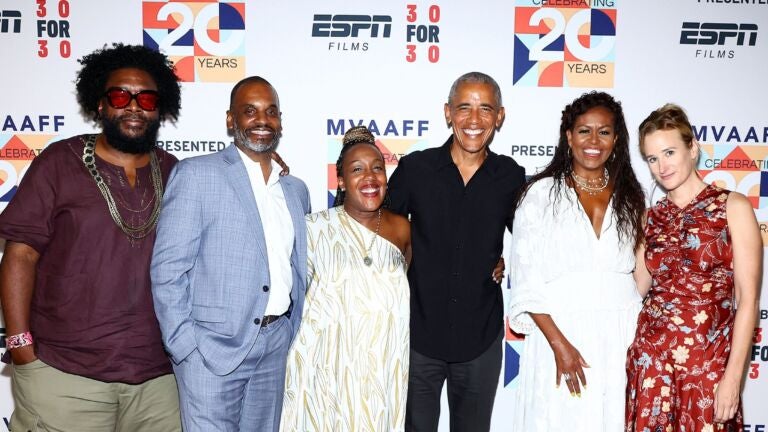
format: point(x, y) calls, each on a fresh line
point(390, 64)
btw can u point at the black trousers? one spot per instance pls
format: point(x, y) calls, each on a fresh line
point(471, 391)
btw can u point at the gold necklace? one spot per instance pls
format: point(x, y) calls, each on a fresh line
point(587, 185)
point(134, 232)
point(367, 258)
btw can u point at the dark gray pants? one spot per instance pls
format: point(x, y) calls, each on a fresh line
point(471, 391)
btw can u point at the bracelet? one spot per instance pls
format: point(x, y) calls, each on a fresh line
point(18, 341)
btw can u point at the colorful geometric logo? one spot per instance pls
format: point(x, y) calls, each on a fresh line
point(204, 39)
point(392, 149)
point(742, 168)
point(564, 46)
point(16, 153)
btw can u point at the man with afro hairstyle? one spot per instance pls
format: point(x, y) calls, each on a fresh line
point(74, 279)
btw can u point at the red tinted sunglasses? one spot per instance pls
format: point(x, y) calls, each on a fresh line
point(119, 98)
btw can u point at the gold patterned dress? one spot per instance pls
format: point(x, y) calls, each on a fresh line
point(348, 367)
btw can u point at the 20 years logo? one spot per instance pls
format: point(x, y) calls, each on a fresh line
point(204, 39)
point(564, 44)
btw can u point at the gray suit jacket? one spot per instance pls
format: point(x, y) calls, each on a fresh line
point(209, 270)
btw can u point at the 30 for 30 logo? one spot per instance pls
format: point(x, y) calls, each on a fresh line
point(564, 44)
point(759, 354)
point(52, 27)
point(426, 35)
point(204, 39)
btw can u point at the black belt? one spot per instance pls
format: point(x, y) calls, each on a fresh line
point(269, 319)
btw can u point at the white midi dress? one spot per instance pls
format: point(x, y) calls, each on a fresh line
point(560, 267)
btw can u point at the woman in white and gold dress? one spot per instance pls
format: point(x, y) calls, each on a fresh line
point(348, 367)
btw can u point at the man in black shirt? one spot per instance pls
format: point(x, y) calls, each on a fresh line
point(459, 197)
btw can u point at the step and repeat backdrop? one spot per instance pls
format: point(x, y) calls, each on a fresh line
point(389, 66)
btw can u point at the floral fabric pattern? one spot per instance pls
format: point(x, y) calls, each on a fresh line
point(684, 330)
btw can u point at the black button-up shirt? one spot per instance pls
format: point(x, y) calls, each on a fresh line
point(457, 235)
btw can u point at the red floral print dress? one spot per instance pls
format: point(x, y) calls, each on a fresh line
point(684, 329)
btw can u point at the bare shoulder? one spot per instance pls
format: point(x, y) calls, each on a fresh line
point(741, 217)
point(397, 229)
point(397, 219)
point(400, 223)
point(738, 206)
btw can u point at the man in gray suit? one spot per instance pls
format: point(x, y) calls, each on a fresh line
point(229, 271)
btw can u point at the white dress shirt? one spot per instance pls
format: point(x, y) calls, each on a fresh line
point(278, 232)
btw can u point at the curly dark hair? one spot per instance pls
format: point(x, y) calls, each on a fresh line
point(98, 65)
point(628, 198)
point(353, 136)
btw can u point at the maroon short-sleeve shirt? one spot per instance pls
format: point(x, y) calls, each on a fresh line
point(92, 312)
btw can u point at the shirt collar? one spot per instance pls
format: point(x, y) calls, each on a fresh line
point(251, 165)
point(444, 159)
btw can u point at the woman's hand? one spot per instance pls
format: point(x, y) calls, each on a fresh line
point(726, 399)
point(498, 271)
point(569, 363)
point(570, 366)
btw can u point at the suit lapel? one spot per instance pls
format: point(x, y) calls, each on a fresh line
point(238, 177)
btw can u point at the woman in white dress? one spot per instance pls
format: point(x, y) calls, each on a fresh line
point(576, 228)
point(348, 367)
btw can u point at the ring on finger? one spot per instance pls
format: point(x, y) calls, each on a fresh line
point(566, 375)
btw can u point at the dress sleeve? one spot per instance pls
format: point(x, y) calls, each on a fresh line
point(527, 263)
point(519, 179)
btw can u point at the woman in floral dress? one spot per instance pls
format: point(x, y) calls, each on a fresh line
point(701, 267)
